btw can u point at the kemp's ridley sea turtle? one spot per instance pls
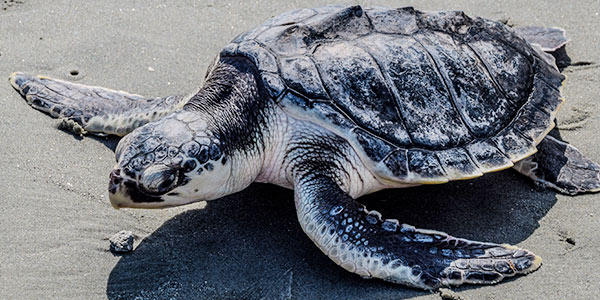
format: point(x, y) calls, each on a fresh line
point(338, 102)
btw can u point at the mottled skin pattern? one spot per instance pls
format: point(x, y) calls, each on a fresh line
point(335, 118)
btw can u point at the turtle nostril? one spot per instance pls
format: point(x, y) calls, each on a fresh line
point(115, 176)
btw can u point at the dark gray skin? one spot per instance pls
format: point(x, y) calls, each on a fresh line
point(252, 122)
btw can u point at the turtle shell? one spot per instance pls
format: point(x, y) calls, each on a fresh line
point(423, 97)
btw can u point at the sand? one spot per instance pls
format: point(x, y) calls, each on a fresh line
point(56, 220)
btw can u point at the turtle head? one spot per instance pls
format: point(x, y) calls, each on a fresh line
point(173, 161)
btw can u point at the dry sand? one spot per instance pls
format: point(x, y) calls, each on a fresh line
point(56, 220)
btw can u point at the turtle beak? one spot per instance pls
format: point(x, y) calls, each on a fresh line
point(122, 192)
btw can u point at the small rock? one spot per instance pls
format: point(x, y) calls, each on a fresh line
point(151, 69)
point(448, 294)
point(122, 242)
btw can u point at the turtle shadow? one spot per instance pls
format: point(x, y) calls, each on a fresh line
point(249, 245)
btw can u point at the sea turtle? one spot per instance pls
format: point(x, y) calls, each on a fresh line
point(337, 102)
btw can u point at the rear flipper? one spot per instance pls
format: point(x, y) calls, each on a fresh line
point(562, 167)
point(92, 109)
point(550, 40)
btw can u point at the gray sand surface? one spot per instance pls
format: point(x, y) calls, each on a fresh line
point(55, 220)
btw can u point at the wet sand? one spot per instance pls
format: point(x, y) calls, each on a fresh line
point(56, 219)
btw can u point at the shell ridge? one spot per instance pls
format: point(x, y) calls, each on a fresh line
point(472, 158)
point(448, 85)
point(523, 107)
point(498, 148)
point(489, 73)
point(392, 88)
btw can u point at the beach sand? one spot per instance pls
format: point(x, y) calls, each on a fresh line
point(56, 219)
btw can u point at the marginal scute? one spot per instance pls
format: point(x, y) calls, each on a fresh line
point(488, 156)
point(375, 148)
point(249, 35)
point(399, 21)
point(273, 83)
point(458, 164)
point(321, 112)
point(548, 73)
point(544, 96)
point(397, 164)
point(291, 17)
point(292, 99)
point(261, 57)
point(425, 166)
point(514, 144)
point(229, 50)
point(533, 122)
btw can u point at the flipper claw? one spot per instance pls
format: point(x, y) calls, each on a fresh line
point(491, 267)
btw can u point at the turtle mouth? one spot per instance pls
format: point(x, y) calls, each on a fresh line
point(128, 195)
point(124, 192)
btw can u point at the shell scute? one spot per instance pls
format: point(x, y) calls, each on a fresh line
point(458, 164)
point(290, 17)
point(261, 57)
point(273, 84)
point(376, 149)
point(487, 156)
point(421, 94)
point(353, 80)
point(398, 21)
point(301, 75)
point(425, 166)
point(514, 144)
point(397, 164)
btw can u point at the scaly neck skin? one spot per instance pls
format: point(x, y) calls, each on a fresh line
point(240, 114)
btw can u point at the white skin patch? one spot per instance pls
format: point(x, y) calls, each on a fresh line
point(208, 185)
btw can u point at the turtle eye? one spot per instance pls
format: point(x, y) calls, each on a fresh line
point(158, 179)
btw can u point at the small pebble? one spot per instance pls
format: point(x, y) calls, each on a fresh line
point(122, 242)
point(151, 69)
point(448, 294)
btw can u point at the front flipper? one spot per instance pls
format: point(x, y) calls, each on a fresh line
point(562, 167)
point(92, 109)
point(363, 243)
